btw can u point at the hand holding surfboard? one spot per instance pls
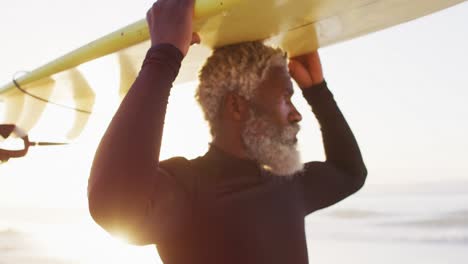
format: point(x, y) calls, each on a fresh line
point(170, 22)
point(306, 70)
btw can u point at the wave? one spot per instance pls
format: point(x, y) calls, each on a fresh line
point(372, 225)
point(450, 237)
point(397, 234)
point(354, 214)
point(452, 220)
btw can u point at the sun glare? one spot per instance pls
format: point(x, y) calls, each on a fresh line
point(85, 243)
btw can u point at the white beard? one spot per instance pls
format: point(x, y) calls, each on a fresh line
point(275, 149)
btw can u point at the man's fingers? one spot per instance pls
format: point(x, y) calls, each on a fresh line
point(296, 67)
point(299, 73)
point(302, 59)
point(306, 69)
point(170, 21)
point(314, 59)
point(308, 59)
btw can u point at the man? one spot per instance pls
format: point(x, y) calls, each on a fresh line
point(245, 200)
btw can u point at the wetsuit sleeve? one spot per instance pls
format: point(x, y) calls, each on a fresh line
point(128, 193)
point(343, 173)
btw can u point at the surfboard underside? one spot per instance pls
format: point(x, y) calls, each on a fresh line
point(298, 27)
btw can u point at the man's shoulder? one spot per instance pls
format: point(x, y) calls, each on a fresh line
point(176, 164)
point(181, 169)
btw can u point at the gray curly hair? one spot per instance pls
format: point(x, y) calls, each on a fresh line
point(236, 68)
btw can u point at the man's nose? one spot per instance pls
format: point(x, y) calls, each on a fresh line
point(295, 116)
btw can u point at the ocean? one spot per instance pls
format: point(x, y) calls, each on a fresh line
point(419, 223)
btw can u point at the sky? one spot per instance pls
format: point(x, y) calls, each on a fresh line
point(403, 91)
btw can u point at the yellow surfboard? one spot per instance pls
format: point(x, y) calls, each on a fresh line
point(297, 26)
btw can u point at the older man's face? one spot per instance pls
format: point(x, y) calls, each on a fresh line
point(270, 133)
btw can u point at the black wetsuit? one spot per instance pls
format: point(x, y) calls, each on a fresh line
point(216, 208)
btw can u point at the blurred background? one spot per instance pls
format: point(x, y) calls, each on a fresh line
point(403, 90)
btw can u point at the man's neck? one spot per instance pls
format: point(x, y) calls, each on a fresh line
point(231, 146)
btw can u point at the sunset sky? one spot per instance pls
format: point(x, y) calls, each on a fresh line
point(403, 90)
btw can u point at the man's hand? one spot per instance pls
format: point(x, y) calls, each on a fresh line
point(170, 21)
point(306, 70)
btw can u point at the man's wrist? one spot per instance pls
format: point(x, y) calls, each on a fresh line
point(317, 85)
point(314, 84)
point(167, 48)
point(317, 94)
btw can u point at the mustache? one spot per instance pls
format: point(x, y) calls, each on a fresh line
point(293, 128)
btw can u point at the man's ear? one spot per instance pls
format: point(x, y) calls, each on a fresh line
point(236, 106)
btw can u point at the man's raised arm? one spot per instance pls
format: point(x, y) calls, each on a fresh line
point(343, 172)
point(127, 190)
